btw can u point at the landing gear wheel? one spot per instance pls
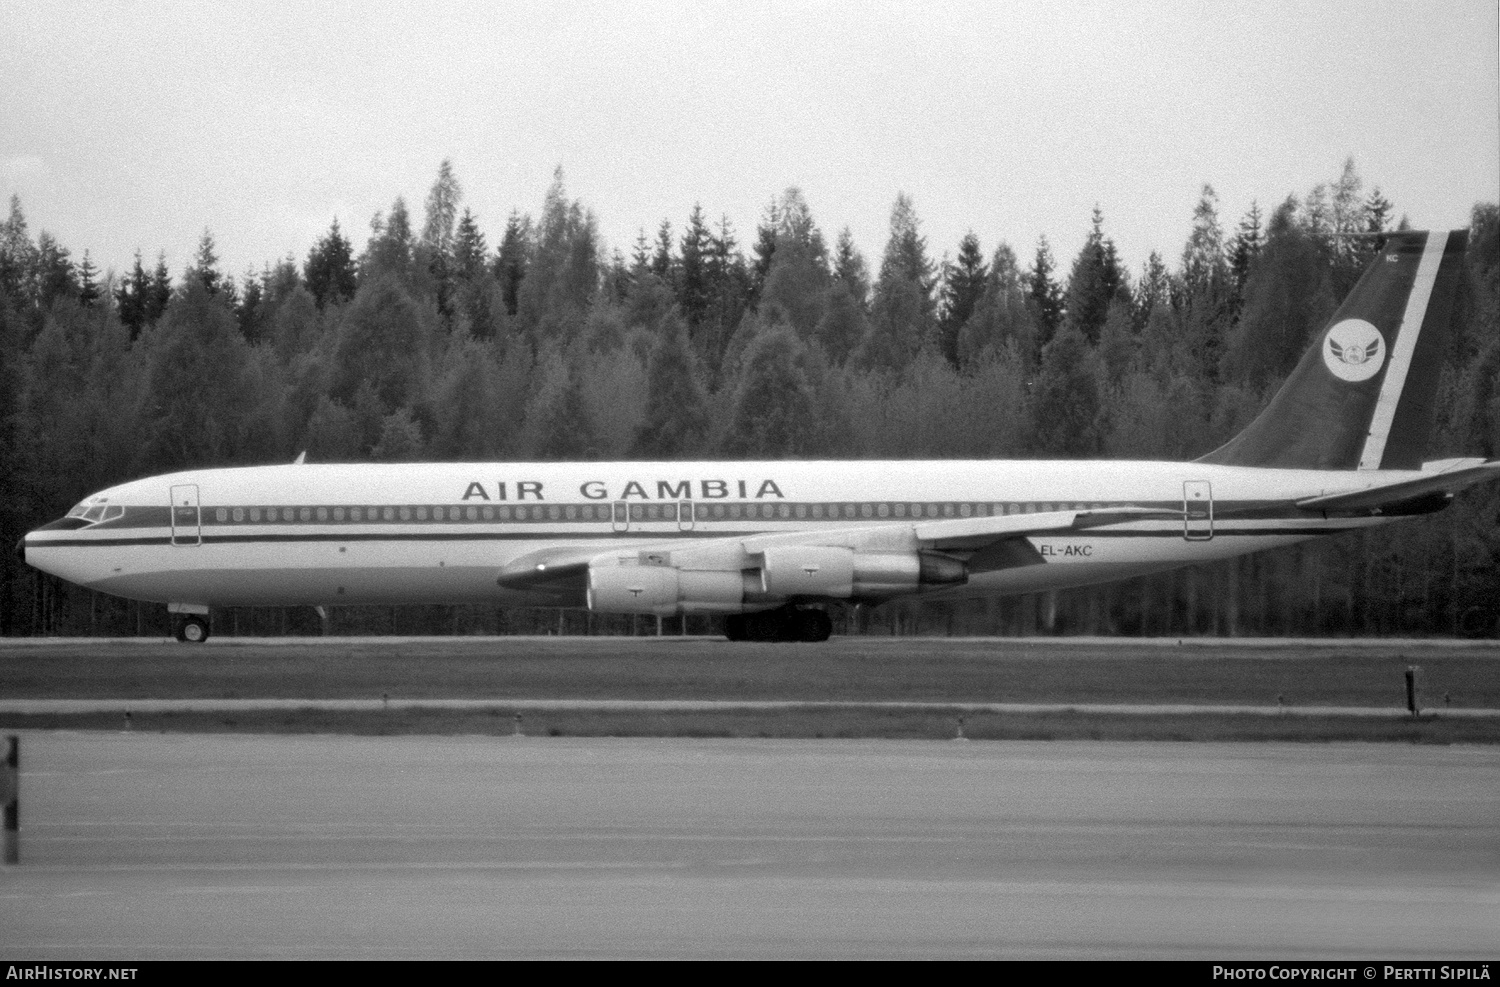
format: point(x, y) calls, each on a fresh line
point(192, 630)
point(810, 625)
point(783, 624)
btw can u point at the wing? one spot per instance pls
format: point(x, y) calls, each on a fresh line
point(560, 575)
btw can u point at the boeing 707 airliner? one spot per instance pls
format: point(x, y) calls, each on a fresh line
point(769, 545)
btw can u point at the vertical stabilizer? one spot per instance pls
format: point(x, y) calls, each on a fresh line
point(1362, 398)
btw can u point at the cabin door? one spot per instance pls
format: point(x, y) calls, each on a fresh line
point(187, 519)
point(685, 516)
point(1197, 510)
point(621, 516)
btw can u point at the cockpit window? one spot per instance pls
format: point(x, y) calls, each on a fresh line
point(112, 512)
point(94, 513)
point(78, 510)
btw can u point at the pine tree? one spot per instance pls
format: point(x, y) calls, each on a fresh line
point(640, 257)
point(1243, 250)
point(382, 347)
point(1001, 321)
point(849, 268)
point(675, 403)
point(1203, 264)
point(400, 439)
point(694, 288)
point(199, 394)
point(772, 412)
point(329, 272)
point(1096, 282)
point(206, 265)
point(251, 310)
point(662, 262)
point(765, 250)
point(1377, 212)
point(131, 298)
point(390, 249)
point(906, 269)
point(563, 271)
point(469, 250)
point(1044, 295)
point(1288, 296)
point(729, 281)
point(963, 286)
point(1155, 289)
point(1067, 398)
point(160, 292)
point(55, 277)
point(17, 256)
point(88, 290)
point(435, 249)
point(442, 211)
point(843, 326)
point(557, 420)
point(512, 258)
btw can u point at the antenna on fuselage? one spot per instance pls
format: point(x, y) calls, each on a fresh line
point(301, 458)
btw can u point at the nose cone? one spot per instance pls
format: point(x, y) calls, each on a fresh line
point(35, 551)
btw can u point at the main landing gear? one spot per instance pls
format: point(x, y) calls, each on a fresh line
point(192, 629)
point(785, 624)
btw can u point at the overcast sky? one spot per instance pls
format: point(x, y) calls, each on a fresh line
point(126, 126)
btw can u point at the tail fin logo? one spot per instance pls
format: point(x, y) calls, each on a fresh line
point(1354, 351)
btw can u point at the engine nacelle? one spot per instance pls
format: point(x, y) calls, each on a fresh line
point(664, 590)
point(793, 571)
point(799, 570)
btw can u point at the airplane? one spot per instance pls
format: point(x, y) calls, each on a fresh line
point(769, 545)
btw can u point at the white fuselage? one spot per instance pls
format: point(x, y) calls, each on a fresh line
point(440, 533)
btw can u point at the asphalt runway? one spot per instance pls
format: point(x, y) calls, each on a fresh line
point(139, 846)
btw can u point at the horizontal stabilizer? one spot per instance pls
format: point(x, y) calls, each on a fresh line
point(1450, 477)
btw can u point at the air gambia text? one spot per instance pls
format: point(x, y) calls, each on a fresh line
point(633, 490)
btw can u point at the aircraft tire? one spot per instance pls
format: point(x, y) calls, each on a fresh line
point(812, 625)
point(192, 630)
point(734, 627)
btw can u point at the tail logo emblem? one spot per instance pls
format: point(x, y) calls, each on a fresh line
point(1354, 350)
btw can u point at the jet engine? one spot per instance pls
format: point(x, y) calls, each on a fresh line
point(786, 573)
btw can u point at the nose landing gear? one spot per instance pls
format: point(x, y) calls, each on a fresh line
point(784, 624)
point(192, 629)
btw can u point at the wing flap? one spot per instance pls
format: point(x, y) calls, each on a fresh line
point(980, 531)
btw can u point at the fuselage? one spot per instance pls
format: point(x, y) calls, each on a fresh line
point(440, 533)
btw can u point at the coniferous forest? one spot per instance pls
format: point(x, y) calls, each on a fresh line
point(537, 341)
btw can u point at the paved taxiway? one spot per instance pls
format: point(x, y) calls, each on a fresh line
point(142, 846)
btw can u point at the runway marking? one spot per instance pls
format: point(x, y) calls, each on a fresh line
point(57, 706)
